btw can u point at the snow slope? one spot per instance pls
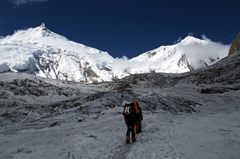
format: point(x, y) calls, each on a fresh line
point(192, 115)
point(41, 52)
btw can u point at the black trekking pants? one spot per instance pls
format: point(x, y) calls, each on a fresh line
point(130, 128)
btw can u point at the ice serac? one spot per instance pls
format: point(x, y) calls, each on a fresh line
point(44, 53)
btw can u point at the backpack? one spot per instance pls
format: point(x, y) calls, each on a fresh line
point(129, 110)
point(136, 106)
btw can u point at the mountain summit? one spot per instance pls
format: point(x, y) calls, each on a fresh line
point(41, 52)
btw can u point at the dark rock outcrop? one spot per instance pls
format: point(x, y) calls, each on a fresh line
point(235, 47)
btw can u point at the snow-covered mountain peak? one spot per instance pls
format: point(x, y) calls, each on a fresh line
point(21, 36)
point(190, 40)
point(42, 31)
point(33, 36)
point(42, 25)
point(42, 52)
point(189, 54)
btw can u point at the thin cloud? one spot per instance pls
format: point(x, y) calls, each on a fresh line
point(204, 37)
point(21, 2)
point(177, 41)
point(206, 51)
point(180, 38)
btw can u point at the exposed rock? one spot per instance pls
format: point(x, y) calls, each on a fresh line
point(183, 60)
point(122, 86)
point(235, 47)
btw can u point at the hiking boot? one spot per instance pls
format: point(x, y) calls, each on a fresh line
point(133, 139)
point(127, 139)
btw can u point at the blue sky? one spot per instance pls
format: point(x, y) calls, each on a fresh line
point(125, 27)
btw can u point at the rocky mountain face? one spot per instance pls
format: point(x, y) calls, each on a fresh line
point(235, 47)
point(41, 52)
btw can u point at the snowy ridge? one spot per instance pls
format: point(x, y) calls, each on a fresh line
point(41, 52)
